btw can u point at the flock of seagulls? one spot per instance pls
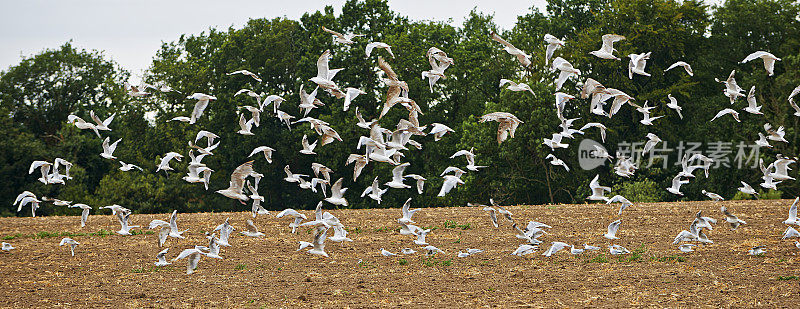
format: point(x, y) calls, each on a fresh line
point(386, 146)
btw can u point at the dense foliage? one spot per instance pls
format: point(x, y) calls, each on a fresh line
point(37, 95)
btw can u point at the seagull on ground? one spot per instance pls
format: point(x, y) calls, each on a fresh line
point(72, 244)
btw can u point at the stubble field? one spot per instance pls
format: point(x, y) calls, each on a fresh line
point(118, 271)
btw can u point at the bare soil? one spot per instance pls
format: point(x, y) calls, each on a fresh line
point(117, 271)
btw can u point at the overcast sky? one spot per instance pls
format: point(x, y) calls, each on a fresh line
point(130, 32)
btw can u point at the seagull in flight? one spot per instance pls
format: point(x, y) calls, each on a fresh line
point(162, 258)
point(245, 73)
point(84, 213)
point(685, 66)
point(340, 38)
point(727, 111)
point(769, 60)
point(252, 230)
point(522, 57)
point(556, 161)
point(606, 51)
point(731, 218)
point(72, 244)
point(193, 256)
point(553, 44)
point(612, 230)
point(624, 203)
point(793, 214)
point(597, 190)
point(108, 149)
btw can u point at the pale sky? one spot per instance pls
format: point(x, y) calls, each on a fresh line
point(130, 32)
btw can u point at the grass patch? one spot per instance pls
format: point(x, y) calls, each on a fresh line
point(240, 267)
point(402, 262)
point(788, 278)
point(150, 269)
point(140, 232)
point(667, 259)
point(356, 231)
point(10, 237)
point(431, 262)
point(458, 241)
point(598, 259)
point(453, 225)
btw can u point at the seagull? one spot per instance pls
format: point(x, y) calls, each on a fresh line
point(44, 168)
point(686, 248)
point(374, 191)
point(556, 161)
point(202, 102)
point(554, 142)
point(449, 183)
point(673, 104)
point(762, 141)
point(438, 130)
point(437, 68)
point(732, 89)
point(319, 241)
point(515, 86)
point(407, 213)
point(128, 167)
point(193, 256)
point(597, 190)
point(747, 189)
point(136, 91)
point(522, 57)
point(360, 162)
point(625, 203)
point(236, 184)
point(769, 60)
point(84, 213)
point(350, 94)
point(298, 218)
point(492, 214)
point(108, 150)
point(758, 250)
point(373, 45)
point(752, 106)
point(565, 70)
point(225, 230)
point(431, 250)
point(340, 38)
point(29, 199)
point(337, 194)
point(775, 135)
point(246, 73)
point(652, 141)
point(553, 44)
point(102, 125)
point(524, 249)
point(251, 94)
point(713, 196)
point(421, 237)
point(396, 86)
point(555, 247)
point(470, 155)
point(732, 219)
point(596, 125)
point(83, 125)
point(685, 66)
point(387, 253)
point(266, 150)
point(793, 214)
point(252, 230)
point(727, 111)
point(408, 251)
point(637, 64)
point(676, 185)
point(617, 249)
point(245, 125)
point(612, 230)
point(339, 234)
point(308, 148)
point(162, 258)
point(420, 181)
point(124, 221)
point(164, 164)
point(606, 51)
point(397, 177)
point(7, 247)
point(72, 244)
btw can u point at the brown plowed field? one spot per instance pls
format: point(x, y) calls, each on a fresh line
point(116, 271)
